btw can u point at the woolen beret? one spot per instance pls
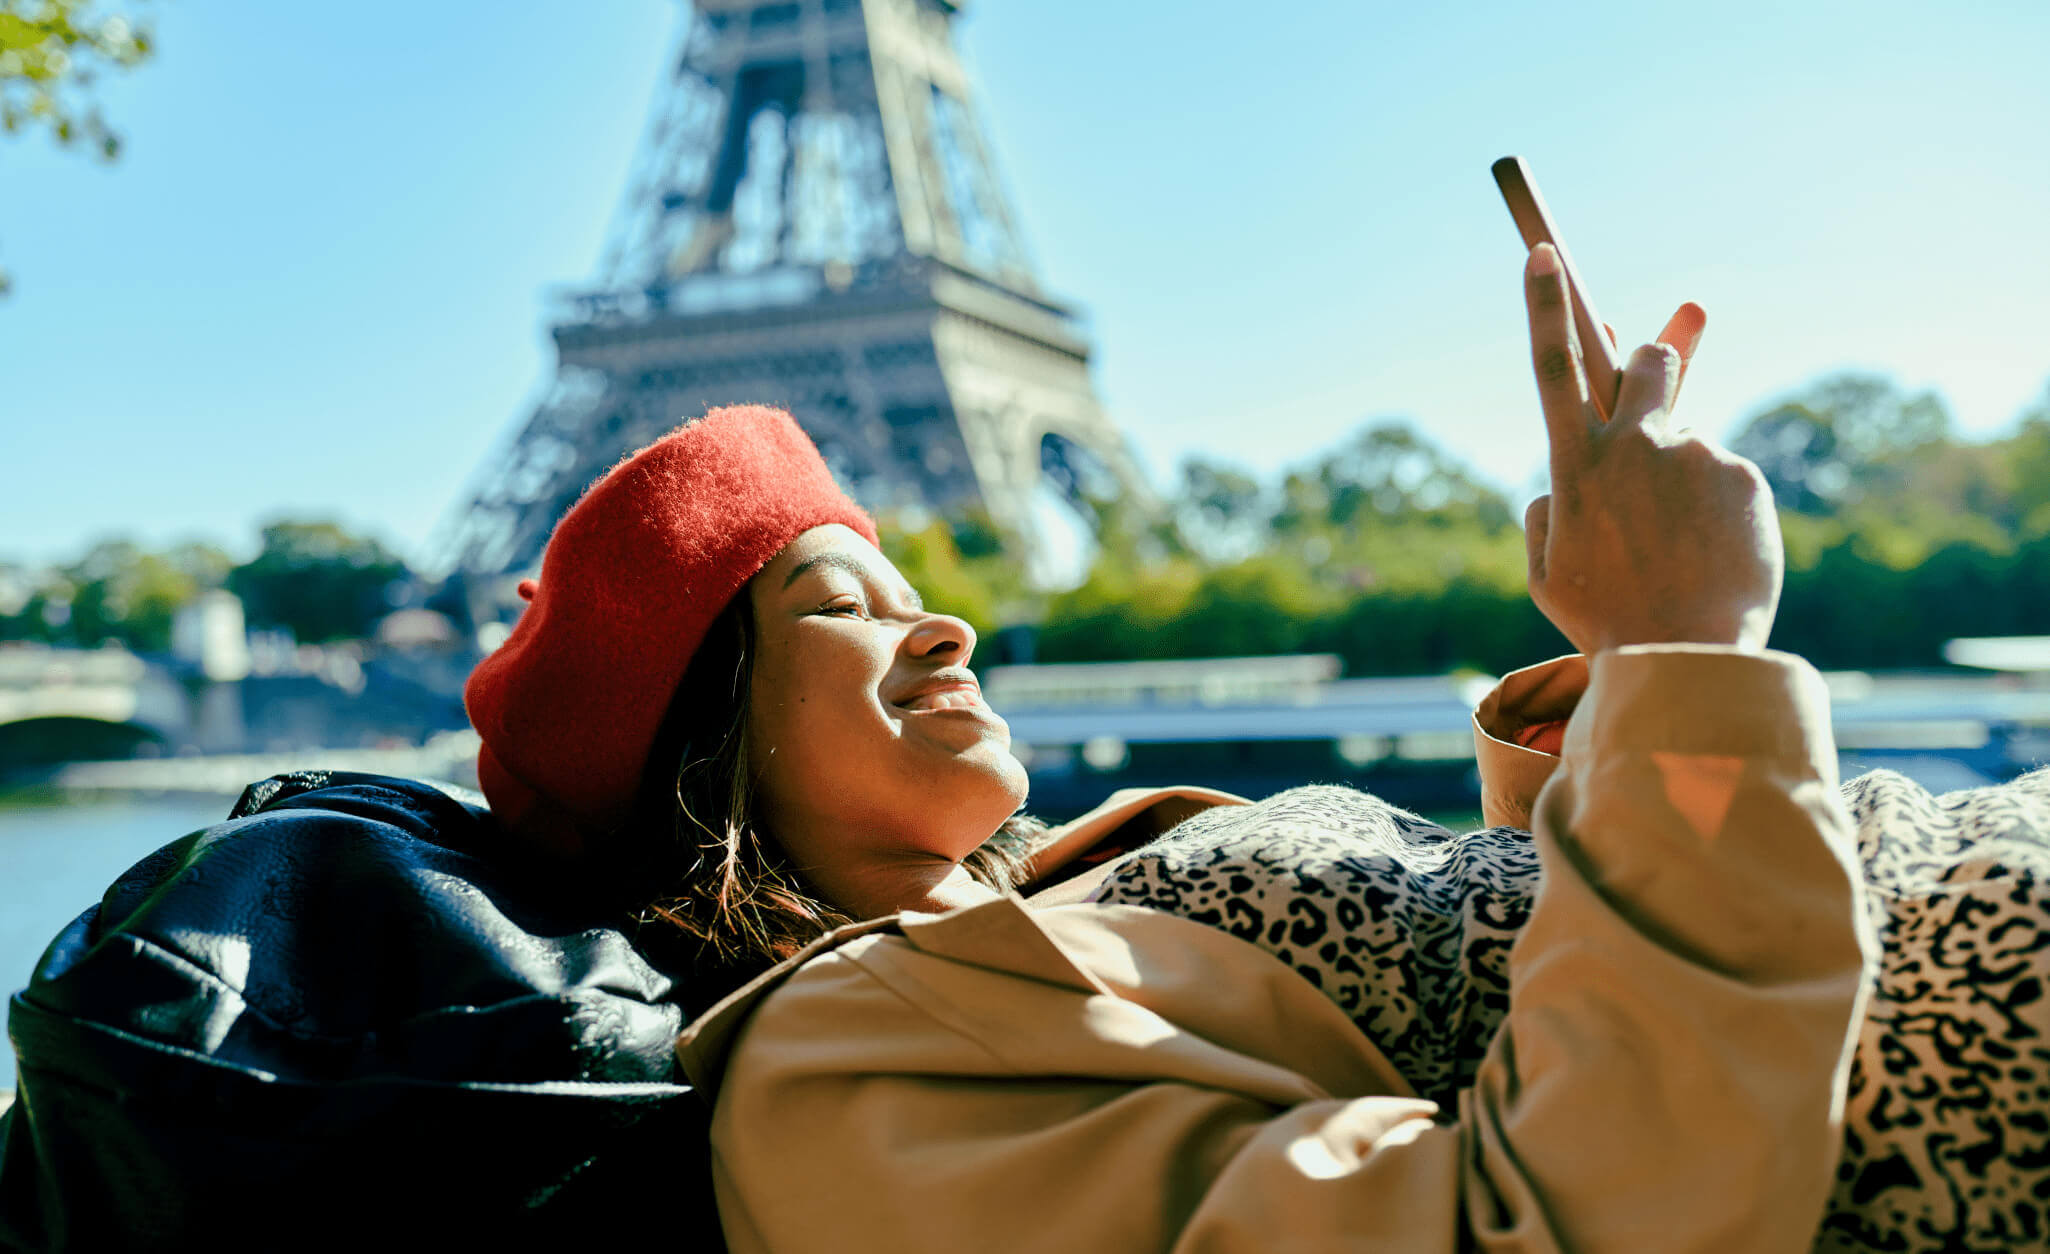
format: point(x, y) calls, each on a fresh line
point(568, 707)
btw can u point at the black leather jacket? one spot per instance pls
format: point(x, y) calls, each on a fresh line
point(329, 1020)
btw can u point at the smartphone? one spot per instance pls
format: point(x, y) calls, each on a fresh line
point(1527, 206)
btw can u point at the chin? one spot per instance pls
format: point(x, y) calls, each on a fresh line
point(1009, 773)
point(989, 788)
point(997, 785)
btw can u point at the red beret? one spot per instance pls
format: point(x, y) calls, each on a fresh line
point(632, 577)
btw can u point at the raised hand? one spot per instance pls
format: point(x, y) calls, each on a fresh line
point(1650, 534)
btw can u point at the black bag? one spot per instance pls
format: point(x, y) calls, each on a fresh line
point(328, 1020)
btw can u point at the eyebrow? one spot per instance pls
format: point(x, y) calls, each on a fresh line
point(853, 566)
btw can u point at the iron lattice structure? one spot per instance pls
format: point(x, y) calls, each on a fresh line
point(814, 221)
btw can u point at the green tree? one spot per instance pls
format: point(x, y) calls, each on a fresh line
point(2025, 456)
point(1124, 609)
point(116, 592)
point(124, 593)
point(1797, 449)
point(1393, 554)
point(1390, 471)
point(38, 608)
point(1457, 624)
point(1221, 510)
point(1843, 440)
point(317, 581)
point(51, 52)
point(959, 567)
point(1268, 603)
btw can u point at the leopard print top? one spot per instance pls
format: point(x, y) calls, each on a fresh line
point(1407, 927)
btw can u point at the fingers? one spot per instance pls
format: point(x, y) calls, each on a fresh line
point(1612, 336)
point(1562, 392)
point(1683, 332)
point(1537, 524)
point(1651, 378)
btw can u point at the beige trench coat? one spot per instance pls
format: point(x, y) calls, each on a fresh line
point(1098, 1078)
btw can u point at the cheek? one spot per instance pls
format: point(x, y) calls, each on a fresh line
point(775, 763)
point(810, 725)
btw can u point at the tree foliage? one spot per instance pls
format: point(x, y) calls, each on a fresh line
point(51, 54)
point(1391, 553)
point(317, 581)
point(1358, 552)
point(960, 568)
point(1846, 440)
point(1386, 550)
point(51, 51)
point(116, 591)
point(1221, 511)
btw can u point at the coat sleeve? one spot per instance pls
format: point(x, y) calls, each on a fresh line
point(1669, 1076)
point(1512, 774)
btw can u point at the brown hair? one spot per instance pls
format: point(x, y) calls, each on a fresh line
point(726, 886)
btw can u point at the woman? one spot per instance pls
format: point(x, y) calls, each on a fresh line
point(617, 739)
point(1177, 1085)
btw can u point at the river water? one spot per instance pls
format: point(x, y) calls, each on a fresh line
point(57, 858)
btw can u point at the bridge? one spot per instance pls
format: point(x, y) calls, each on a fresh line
point(62, 704)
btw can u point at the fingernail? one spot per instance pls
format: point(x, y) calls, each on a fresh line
point(1544, 260)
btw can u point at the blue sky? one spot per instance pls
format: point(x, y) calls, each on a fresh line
point(313, 284)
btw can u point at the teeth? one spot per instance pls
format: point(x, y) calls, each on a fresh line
point(952, 699)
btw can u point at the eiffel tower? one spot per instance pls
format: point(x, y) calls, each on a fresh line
point(814, 222)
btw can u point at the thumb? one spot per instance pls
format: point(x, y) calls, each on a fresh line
point(1537, 528)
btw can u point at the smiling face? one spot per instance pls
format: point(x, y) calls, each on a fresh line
point(868, 739)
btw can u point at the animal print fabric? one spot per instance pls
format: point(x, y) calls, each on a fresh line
point(1407, 927)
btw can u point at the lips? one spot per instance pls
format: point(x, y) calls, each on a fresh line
point(943, 692)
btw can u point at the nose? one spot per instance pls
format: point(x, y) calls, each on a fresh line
point(942, 637)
